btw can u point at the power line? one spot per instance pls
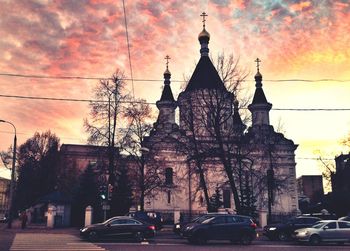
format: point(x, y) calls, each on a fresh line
point(159, 80)
point(152, 103)
point(127, 41)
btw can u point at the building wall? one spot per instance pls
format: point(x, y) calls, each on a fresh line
point(4, 195)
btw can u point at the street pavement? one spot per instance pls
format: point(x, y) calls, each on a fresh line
point(39, 238)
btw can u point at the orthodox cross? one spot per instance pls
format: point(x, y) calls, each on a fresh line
point(258, 61)
point(167, 60)
point(204, 15)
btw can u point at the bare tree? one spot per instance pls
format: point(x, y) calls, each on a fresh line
point(138, 115)
point(104, 114)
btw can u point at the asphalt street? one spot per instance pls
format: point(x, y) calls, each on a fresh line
point(40, 239)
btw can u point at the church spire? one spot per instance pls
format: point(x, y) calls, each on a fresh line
point(167, 94)
point(259, 107)
point(203, 38)
point(167, 103)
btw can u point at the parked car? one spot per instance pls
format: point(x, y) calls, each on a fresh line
point(235, 228)
point(325, 231)
point(119, 227)
point(283, 231)
point(180, 226)
point(3, 219)
point(154, 218)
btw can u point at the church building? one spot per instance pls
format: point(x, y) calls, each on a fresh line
point(211, 151)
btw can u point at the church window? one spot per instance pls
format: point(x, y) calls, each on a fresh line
point(169, 197)
point(168, 176)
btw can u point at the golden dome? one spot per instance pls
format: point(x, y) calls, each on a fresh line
point(204, 33)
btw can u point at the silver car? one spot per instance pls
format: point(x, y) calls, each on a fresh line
point(324, 231)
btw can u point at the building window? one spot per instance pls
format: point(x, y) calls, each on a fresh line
point(169, 197)
point(168, 176)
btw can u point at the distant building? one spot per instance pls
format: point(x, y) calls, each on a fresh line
point(340, 179)
point(310, 186)
point(4, 195)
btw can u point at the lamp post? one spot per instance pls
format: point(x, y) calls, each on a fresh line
point(12, 184)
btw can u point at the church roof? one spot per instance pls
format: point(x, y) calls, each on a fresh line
point(167, 94)
point(259, 97)
point(205, 76)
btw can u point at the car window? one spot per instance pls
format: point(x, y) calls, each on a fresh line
point(117, 222)
point(204, 218)
point(311, 220)
point(331, 225)
point(231, 219)
point(132, 222)
point(218, 220)
point(318, 225)
point(344, 224)
point(299, 221)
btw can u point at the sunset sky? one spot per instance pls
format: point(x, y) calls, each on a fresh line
point(295, 40)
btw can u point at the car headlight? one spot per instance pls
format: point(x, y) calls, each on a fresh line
point(84, 229)
point(189, 227)
point(305, 232)
point(177, 226)
point(272, 228)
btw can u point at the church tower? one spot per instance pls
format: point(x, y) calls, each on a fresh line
point(259, 108)
point(167, 103)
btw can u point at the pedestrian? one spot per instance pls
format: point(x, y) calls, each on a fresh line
point(24, 218)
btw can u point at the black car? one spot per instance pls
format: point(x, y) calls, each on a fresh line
point(235, 228)
point(283, 231)
point(118, 227)
point(153, 218)
point(180, 226)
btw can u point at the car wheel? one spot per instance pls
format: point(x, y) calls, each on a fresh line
point(315, 240)
point(93, 236)
point(246, 239)
point(139, 236)
point(282, 236)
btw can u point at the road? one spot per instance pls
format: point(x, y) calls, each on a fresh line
point(164, 241)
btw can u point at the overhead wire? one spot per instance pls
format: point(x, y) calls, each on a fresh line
point(153, 103)
point(38, 76)
point(128, 43)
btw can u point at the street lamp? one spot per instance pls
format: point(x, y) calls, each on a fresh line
point(12, 184)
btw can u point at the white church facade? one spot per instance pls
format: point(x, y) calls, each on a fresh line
point(211, 149)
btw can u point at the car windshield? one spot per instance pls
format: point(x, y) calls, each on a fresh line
point(318, 225)
point(204, 218)
point(205, 221)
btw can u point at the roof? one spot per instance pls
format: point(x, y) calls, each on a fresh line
point(167, 94)
point(259, 97)
point(205, 76)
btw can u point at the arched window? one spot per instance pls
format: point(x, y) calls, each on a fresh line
point(168, 176)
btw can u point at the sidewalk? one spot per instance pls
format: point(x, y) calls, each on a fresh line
point(37, 228)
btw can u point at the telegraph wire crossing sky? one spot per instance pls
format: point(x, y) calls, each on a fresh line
point(54, 50)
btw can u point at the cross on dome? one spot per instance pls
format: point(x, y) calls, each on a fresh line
point(258, 61)
point(167, 61)
point(204, 15)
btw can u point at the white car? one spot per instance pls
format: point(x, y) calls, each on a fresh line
point(324, 231)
